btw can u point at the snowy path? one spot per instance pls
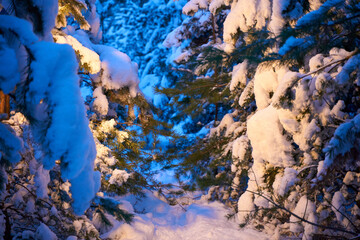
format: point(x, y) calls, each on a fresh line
point(201, 221)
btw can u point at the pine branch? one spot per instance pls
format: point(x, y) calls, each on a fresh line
point(303, 219)
point(293, 83)
point(34, 195)
point(345, 216)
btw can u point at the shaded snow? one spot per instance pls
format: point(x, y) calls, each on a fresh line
point(43, 232)
point(202, 220)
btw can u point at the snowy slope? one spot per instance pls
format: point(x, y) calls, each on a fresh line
point(202, 220)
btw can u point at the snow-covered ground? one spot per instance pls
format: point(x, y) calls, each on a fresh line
point(201, 220)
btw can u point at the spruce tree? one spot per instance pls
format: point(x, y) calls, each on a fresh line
point(294, 81)
point(40, 182)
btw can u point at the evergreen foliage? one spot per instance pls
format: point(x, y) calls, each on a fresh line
point(40, 187)
point(292, 90)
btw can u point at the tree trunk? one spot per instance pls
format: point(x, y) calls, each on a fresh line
point(4, 105)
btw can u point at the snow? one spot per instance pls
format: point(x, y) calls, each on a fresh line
point(290, 43)
point(350, 66)
point(266, 136)
point(88, 57)
point(238, 76)
point(282, 184)
point(266, 81)
point(245, 14)
point(338, 207)
point(30, 206)
point(103, 156)
point(118, 177)
point(9, 74)
point(343, 140)
point(27, 234)
point(247, 93)
point(93, 19)
point(245, 206)
point(84, 226)
point(71, 238)
point(118, 70)
point(21, 27)
point(100, 104)
point(174, 38)
point(277, 21)
point(215, 5)
point(336, 110)
point(147, 85)
point(317, 14)
point(10, 144)
point(54, 78)
point(316, 62)
point(193, 6)
point(240, 147)
point(43, 232)
point(202, 220)
point(315, 4)
point(311, 129)
point(305, 208)
point(352, 178)
point(42, 178)
point(287, 81)
point(49, 11)
point(226, 122)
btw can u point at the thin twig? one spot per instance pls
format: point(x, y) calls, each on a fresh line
point(323, 67)
point(302, 219)
point(344, 215)
point(34, 195)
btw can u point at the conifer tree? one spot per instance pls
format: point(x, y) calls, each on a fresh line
point(40, 182)
point(294, 80)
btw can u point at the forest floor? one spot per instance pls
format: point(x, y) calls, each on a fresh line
point(200, 220)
